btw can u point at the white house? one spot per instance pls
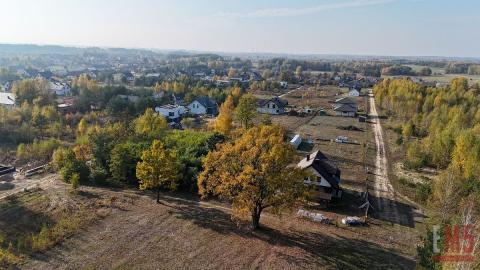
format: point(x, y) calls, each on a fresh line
point(353, 93)
point(283, 84)
point(275, 105)
point(203, 105)
point(325, 176)
point(60, 89)
point(7, 100)
point(171, 112)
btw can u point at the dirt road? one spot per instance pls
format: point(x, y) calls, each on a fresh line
point(383, 190)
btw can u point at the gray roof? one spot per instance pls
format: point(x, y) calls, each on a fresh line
point(281, 103)
point(346, 100)
point(327, 169)
point(345, 108)
point(206, 102)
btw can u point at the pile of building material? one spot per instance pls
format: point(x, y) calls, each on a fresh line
point(352, 221)
point(317, 217)
point(37, 170)
point(6, 170)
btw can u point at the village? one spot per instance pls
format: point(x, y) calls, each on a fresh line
point(73, 139)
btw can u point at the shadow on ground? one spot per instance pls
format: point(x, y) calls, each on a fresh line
point(320, 248)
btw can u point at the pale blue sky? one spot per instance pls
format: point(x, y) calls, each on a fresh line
point(378, 27)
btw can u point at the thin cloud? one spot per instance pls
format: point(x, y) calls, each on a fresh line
point(294, 12)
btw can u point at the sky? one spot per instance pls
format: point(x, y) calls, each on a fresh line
point(358, 27)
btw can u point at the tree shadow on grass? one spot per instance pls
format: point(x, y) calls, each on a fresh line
point(18, 220)
point(318, 249)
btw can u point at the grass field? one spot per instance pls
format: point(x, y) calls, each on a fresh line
point(185, 234)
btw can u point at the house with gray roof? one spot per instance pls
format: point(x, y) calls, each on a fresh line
point(274, 105)
point(325, 176)
point(345, 106)
point(203, 105)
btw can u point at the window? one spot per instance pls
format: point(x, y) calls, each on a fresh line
point(171, 114)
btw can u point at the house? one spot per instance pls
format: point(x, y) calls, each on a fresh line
point(284, 84)
point(60, 89)
point(7, 100)
point(345, 106)
point(325, 176)
point(171, 112)
point(274, 105)
point(353, 93)
point(203, 105)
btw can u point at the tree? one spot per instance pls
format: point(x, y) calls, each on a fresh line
point(255, 172)
point(123, 161)
point(407, 131)
point(158, 169)
point(246, 110)
point(232, 72)
point(267, 73)
point(75, 181)
point(425, 71)
point(82, 127)
point(150, 124)
point(298, 72)
point(223, 124)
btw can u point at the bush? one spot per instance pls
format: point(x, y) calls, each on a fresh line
point(75, 180)
point(38, 150)
point(423, 191)
point(75, 167)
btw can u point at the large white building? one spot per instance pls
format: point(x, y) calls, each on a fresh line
point(171, 112)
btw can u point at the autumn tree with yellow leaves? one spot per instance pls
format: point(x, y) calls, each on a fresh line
point(150, 124)
point(246, 110)
point(224, 121)
point(255, 172)
point(158, 169)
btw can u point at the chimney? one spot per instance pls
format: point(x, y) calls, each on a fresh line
point(308, 157)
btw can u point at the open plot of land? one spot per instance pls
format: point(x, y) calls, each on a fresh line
point(350, 158)
point(186, 234)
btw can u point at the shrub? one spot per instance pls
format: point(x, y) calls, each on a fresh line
point(423, 191)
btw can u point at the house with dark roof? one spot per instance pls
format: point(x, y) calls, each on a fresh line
point(203, 105)
point(345, 106)
point(274, 105)
point(324, 176)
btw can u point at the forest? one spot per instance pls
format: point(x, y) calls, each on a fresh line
point(441, 130)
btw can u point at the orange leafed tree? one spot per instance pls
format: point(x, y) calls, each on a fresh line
point(255, 172)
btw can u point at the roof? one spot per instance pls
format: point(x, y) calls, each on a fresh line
point(168, 107)
point(7, 98)
point(278, 101)
point(345, 108)
point(206, 102)
point(346, 100)
point(320, 163)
